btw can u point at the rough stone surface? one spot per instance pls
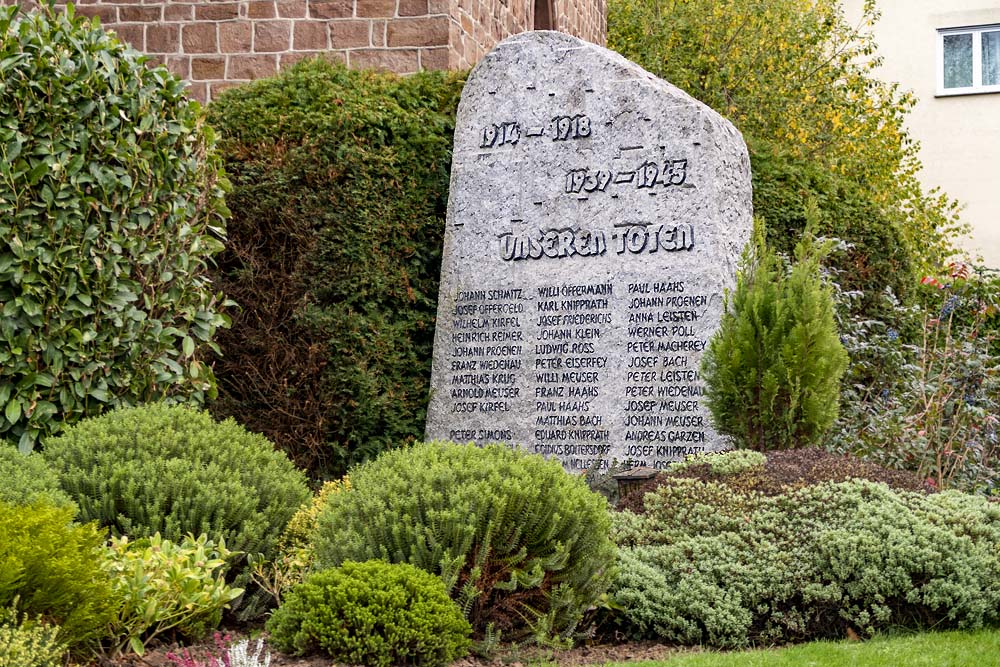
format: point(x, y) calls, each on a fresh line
point(596, 218)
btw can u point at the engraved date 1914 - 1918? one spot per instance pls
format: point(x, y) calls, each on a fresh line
point(559, 128)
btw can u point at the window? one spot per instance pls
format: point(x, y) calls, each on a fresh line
point(969, 60)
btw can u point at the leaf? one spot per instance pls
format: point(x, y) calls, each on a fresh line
point(188, 346)
point(137, 646)
point(13, 411)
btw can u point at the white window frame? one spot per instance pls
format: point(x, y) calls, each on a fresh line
point(977, 86)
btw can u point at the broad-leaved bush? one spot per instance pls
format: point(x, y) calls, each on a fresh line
point(173, 470)
point(111, 208)
point(372, 613)
point(52, 568)
point(520, 544)
point(710, 564)
point(165, 586)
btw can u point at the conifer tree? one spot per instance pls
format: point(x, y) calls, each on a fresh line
point(772, 371)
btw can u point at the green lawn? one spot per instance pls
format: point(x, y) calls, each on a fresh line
point(933, 649)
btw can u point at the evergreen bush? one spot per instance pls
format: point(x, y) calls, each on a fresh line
point(340, 192)
point(27, 643)
point(173, 470)
point(28, 478)
point(710, 563)
point(372, 613)
point(521, 545)
point(772, 370)
point(52, 568)
point(111, 208)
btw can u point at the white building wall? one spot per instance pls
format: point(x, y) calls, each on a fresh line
point(959, 135)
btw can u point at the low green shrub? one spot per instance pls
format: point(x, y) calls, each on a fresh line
point(521, 545)
point(111, 209)
point(712, 564)
point(28, 478)
point(772, 370)
point(372, 613)
point(340, 188)
point(166, 586)
point(27, 643)
point(51, 568)
point(173, 470)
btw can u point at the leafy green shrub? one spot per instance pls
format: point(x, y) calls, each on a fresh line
point(772, 370)
point(26, 643)
point(520, 545)
point(372, 613)
point(28, 478)
point(166, 586)
point(709, 563)
point(340, 191)
point(173, 470)
point(52, 568)
point(110, 211)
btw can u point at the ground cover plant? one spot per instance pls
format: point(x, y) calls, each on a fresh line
point(827, 558)
point(522, 546)
point(111, 208)
point(340, 186)
point(173, 470)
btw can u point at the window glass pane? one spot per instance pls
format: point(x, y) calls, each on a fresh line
point(958, 60)
point(991, 58)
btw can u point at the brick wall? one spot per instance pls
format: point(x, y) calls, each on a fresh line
point(215, 44)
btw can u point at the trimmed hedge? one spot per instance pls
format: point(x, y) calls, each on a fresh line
point(340, 191)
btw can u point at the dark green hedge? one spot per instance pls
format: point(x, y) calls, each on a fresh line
point(340, 186)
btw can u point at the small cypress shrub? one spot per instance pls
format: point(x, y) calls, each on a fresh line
point(51, 568)
point(111, 208)
point(772, 370)
point(173, 470)
point(521, 545)
point(372, 613)
point(28, 478)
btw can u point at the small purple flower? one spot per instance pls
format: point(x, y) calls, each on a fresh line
point(892, 334)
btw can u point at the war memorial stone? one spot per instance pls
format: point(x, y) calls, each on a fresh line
point(595, 219)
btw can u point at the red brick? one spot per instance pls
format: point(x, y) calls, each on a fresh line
point(412, 7)
point(439, 6)
point(426, 31)
point(133, 35)
point(104, 13)
point(216, 87)
point(289, 59)
point(376, 8)
point(331, 9)
point(271, 36)
point(203, 69)
point(199, 38)
point(292, 9)
point(402, 61)
point(217, 11)
point(378, 33)
point(179, 66)
point(235, 37)
point(163, 38)
point(261, 10)
point(310, 36)
point(252, 67)
point(435, 59)
point(349, 34)
point(178, 12)
point(197, 91)
point(139, 14)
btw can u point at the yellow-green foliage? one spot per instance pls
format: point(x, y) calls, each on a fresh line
point(520, 544)
point(723, 463)
point(712, 563)
point(51, 568)
point(300, 529)
point(166, 586)
point(26, 643)
point(799, 80)
point(372, 613)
